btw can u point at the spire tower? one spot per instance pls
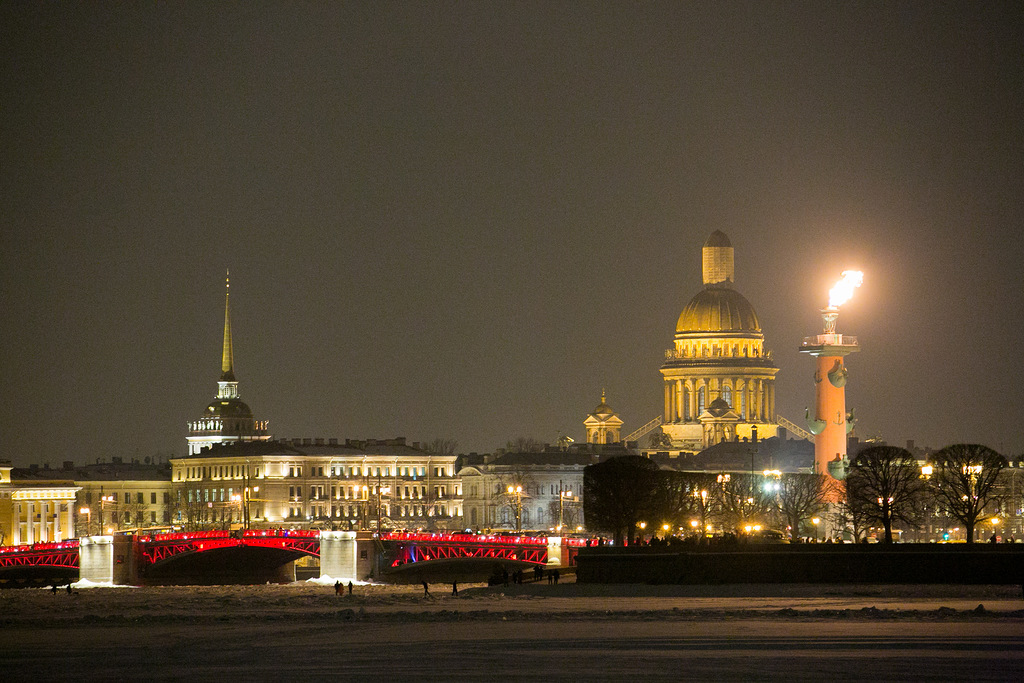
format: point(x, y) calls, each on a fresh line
point(227, 419)
point(227, 361)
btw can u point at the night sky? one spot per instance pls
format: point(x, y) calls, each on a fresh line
point(463, 220)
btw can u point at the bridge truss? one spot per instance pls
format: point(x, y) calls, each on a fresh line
point(64, 554)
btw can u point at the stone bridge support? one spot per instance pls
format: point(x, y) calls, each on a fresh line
point(108, 559)
point(555, 552)
point(347, 554)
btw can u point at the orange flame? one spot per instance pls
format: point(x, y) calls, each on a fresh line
point(841, 293)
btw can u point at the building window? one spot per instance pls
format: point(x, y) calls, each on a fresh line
point(152, 498)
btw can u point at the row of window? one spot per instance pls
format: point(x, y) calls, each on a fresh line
point(316, 492)
point(536, 490)
point(220, 472)
point(141, 518)
point(356, 511)
point(368, 471)
point(238, 471)
point(139, 497)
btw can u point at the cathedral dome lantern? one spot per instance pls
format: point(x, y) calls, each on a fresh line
point(718, 368)
point(227, 418)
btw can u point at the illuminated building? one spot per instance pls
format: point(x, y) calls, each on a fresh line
point(831, 423)
point(37, 505)
point(227, 418)
point(120, 495)
point(312, 482)
point(719, 380)
point(542, 478)
point(603, 425)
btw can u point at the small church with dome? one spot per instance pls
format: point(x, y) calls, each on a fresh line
point(719, 380)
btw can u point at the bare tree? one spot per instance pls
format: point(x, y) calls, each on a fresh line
point(844, 516)
point(742, 499)
point(964, 481)
point(524, 444)
point(672, 500)
point(884, 485)
point(617, 494)
point(801, 496)
point(516, 485)
point(190, 513)
point(441, 446)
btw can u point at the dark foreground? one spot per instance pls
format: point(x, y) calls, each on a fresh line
point(522, 633)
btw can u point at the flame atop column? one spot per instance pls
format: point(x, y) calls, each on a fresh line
point(843, 290)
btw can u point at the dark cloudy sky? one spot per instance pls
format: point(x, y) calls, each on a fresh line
point(465, 219)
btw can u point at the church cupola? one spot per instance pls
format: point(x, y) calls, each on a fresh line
point(603, 425)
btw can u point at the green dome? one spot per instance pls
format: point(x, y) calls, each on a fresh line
point(718, 309)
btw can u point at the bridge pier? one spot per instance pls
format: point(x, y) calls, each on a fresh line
point(347, 554)
point(108, 559)
point(555, 552)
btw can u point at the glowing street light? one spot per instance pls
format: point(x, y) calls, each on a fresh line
point(517, 493)
point(88, 525)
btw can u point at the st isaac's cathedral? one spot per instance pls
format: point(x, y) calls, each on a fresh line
point(719, 379)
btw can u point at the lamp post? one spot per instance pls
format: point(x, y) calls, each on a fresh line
point(88, 525)
point(103, 501)
point(564, 496)
point(815, 522)
point(364, 499)
point(238, 499)
point(381, 490)
point(517, 492)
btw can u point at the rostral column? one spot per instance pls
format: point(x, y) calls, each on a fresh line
point(831, 423)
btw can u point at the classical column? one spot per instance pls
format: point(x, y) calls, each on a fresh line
point(679, 410)
point(771, 398)
point(30, 535)
point(668, 401)
point(70, 529)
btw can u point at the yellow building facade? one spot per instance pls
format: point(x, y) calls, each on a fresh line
point(35, 507)
point(719, 379)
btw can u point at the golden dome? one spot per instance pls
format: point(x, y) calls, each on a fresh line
point(718, 309)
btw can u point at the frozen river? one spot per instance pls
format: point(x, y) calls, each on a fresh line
point(536, 632)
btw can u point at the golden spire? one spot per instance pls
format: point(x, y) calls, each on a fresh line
point(227, 361)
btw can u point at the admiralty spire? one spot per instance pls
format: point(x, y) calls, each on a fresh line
point(227, 418)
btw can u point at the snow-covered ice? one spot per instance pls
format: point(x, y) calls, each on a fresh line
point(569, 631)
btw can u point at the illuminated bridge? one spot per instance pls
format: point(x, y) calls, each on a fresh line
point(210, 555)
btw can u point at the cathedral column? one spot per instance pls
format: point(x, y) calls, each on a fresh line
point(757, 400)
point(668, 401)
point(679, 410)
point(693, 401)
point(771, 398)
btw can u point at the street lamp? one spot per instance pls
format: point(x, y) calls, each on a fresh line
point(815, 522)
point(381, 490)
point(237, 498)
point(364, 499)
point(564, 496)
point(103, 500)
point(88, 525)
point(517, 491)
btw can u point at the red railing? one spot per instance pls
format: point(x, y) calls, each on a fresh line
point(63, 554)
point(160, 547)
